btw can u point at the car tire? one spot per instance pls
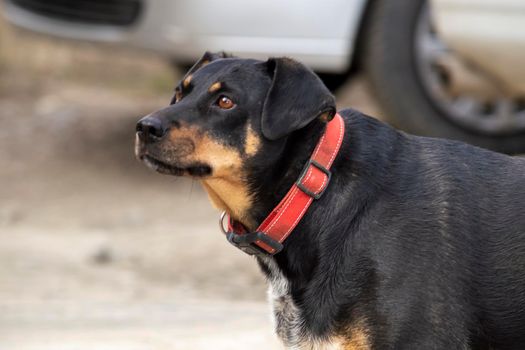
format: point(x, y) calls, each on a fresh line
point(389, 62)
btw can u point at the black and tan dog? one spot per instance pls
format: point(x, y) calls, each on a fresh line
point(417, 243)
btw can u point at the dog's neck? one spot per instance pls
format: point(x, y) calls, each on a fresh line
point(248, 196)
point(270, 185)
point(231, 195)
point(249, 199)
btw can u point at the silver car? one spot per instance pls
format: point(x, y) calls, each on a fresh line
point(449, 68)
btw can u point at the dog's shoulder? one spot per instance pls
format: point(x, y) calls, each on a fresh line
point(380, 136)
point(369, 134)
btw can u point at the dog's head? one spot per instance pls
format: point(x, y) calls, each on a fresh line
point(226, 112)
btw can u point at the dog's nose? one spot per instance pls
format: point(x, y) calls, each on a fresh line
point(150, 129)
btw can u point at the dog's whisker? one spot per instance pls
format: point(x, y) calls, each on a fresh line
point(191, 189)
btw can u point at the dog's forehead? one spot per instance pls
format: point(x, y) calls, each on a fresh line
point(223, 69)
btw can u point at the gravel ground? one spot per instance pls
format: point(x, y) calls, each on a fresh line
point(97, 251)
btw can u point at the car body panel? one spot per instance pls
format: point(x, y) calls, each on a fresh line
point(320, 34)
point(488, 33)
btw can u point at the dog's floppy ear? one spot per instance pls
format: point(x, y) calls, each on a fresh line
point(295, 98)
point(207, 58)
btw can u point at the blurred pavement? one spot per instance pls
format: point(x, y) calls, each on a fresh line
point(97, 251)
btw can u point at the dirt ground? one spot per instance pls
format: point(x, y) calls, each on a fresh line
point(97, 251)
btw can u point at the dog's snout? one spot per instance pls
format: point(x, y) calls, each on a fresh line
point(150, 129)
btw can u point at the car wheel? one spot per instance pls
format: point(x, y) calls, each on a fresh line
point(402, 60)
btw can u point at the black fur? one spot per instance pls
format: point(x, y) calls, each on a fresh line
point(421, 239)
point(293, 100)
point(424, 238)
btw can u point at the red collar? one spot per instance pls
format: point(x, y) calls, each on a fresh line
point(312, 183)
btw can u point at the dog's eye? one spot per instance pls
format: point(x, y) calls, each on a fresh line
point(225, 102)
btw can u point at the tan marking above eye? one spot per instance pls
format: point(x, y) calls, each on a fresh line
point(326, 117)
point(225, 102)
point(214, 87)
point(178, 96)
point(187, 81)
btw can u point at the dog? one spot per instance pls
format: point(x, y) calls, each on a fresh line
point(415, 242)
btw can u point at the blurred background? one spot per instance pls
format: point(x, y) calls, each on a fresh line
point(98, 252)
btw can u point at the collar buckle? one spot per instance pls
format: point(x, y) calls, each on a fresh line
point(246, 243)
point(302, 187)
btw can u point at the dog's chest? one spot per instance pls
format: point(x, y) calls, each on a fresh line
point(288, 320)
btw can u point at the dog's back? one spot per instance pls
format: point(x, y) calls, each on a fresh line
point(449, 228)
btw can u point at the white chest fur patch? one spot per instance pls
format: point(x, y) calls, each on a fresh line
point(287, 318)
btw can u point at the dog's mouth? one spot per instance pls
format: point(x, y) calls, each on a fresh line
point(195, 169)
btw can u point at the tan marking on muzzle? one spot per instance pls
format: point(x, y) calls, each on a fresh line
point(181, 147)
point(227, 185)
point(253, 142)
point(214, 87)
